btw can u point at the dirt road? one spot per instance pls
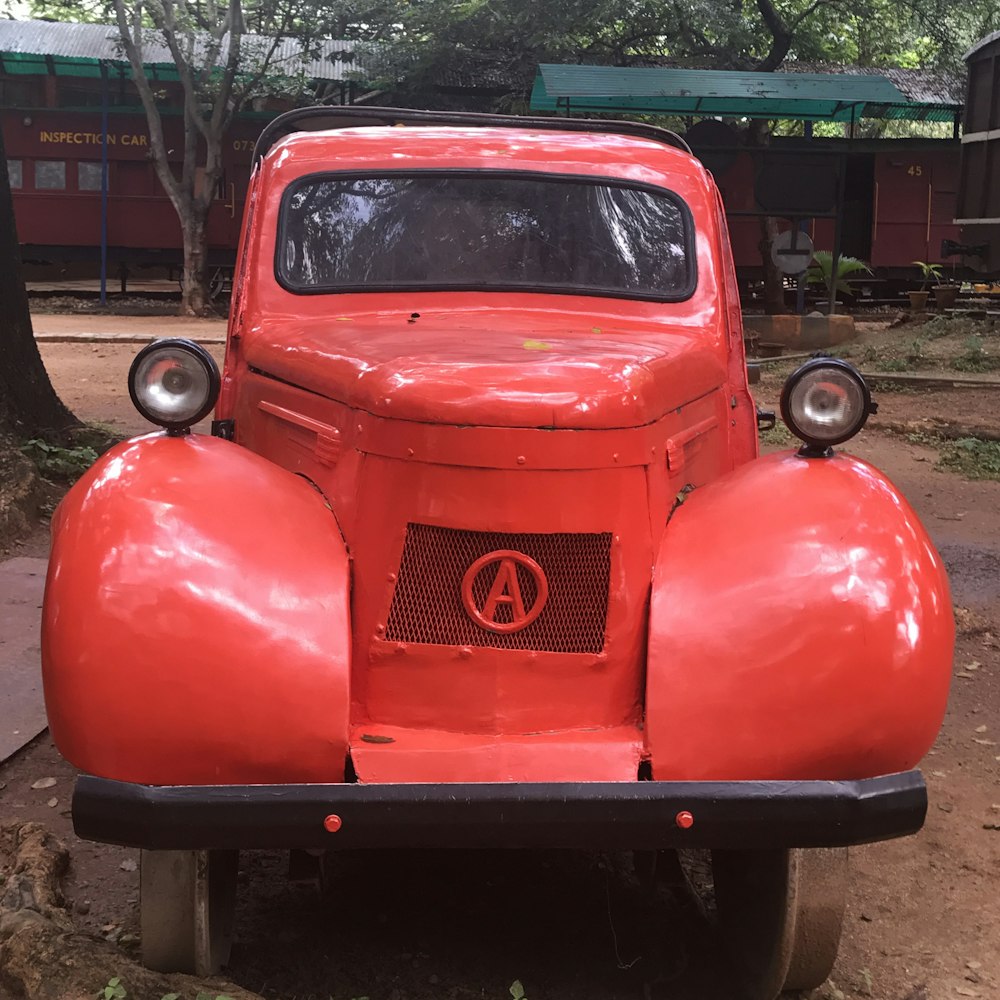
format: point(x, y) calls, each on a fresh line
point(924, 915)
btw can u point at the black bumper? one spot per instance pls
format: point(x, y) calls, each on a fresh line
point(641, 814)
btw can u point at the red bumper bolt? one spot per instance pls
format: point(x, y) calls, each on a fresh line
point(684, 820)
point(332, 823)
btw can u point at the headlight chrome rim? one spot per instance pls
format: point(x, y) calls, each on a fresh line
point(843, 374)
point(186, 349)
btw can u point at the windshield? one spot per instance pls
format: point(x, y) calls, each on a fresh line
point(485, 230)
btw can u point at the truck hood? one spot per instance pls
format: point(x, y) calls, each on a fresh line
point(505, 371)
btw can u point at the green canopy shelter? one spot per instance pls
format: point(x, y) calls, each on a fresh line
point(839, 97)
point(697, 93)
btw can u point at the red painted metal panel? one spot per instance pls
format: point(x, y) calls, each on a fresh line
point(394, 754)
point(832, 660)
point(914, 206)
point(196, 626)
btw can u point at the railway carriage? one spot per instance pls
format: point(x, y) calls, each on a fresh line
point(979, 188)
point(55, 164)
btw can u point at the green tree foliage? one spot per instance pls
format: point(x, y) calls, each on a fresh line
point(507, 39)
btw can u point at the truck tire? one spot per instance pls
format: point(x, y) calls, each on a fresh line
point(187, 903)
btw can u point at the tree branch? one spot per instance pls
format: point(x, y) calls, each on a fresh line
point(157, 144)
point(163, 17)
point(781, 37)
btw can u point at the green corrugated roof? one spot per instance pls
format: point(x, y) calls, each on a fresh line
point(24, 64)
point(814, 96)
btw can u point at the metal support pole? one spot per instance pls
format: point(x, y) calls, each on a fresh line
point(104, 184)
point(803, 224)
point(838, 226)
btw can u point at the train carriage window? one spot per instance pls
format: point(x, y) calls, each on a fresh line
point(21, 93)
point(88, 176)
point(15, 171)
point(50, 175)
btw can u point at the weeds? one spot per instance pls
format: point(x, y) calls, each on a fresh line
point(975, 358)
point(894, 365)
point(116, 991)
point(912, 357)
point(940, 326)
point(915, 353)
point(57, 462)
point(778, 436)
point(973, 457)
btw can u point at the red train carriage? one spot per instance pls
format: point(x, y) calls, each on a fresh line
point(899, 206)
point(54, 162)
point(979, 188)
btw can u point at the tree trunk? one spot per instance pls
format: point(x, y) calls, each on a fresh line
point(774, 280)
point(29, 405)
point(194, 297)
point(759, 136)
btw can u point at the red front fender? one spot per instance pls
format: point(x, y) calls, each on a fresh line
point(800, 627)
point(196, 623)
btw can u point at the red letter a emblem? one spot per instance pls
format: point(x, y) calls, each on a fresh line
point(505, 590)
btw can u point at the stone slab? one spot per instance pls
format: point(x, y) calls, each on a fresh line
point(22, 707)
point(801, 332)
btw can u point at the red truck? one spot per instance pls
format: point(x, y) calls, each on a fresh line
point(474, 555)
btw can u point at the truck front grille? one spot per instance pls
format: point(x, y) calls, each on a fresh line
point(427, 605)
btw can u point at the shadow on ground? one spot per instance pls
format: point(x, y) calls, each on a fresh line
point(433, 924)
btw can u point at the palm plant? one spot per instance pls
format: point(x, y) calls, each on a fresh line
point(820, 272)
point(928, 272)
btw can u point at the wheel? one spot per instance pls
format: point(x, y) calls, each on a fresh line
point(781, 913)
point(187, 903)
point(219, 283)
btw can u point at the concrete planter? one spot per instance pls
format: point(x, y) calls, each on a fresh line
point(801, 332)
point(945, 296)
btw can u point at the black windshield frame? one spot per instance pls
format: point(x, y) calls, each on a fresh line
point(680, 294)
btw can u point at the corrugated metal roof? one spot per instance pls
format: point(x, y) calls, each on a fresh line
point(29, 42)
point(920, 86)
point(815, 96)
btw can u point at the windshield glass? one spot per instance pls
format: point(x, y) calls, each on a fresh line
point(484, 230)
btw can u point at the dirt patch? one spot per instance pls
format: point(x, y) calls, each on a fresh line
point(92, 379)
point(44, 956)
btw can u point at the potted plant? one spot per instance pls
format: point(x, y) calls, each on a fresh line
point(929, 272)
point(946, 292)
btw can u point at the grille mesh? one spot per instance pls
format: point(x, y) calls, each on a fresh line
point(427, 602)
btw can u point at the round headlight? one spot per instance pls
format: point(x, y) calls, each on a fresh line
point(174, 383)
point(825, 402)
